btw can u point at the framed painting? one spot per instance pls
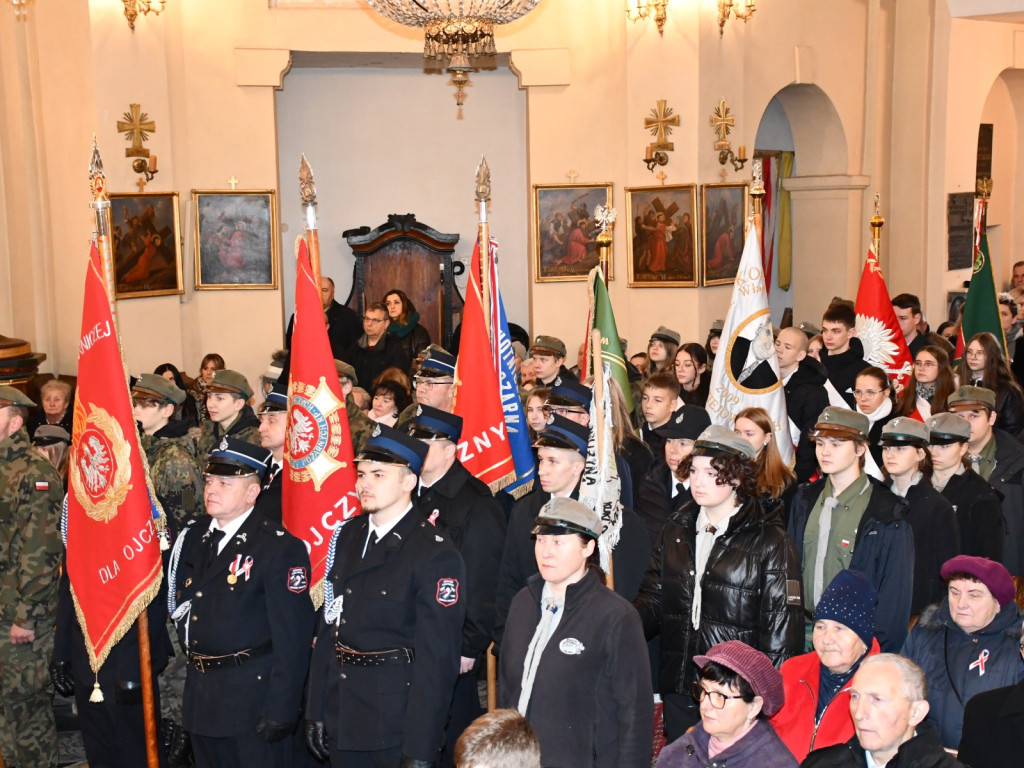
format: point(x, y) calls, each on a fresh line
point(146, 244)
point(662, 231)
point(724, 208)
point(564, 230)
point(236, 239)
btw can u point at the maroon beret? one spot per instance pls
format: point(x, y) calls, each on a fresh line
point(753, 666)
point(990, 573)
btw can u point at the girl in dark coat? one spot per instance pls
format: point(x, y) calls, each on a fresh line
point(984, 365)
point(405, 323)
point(873, 393)
point(721, 571)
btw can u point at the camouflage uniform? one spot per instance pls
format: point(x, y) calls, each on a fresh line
point(245, 427)
point(360, 424)
point(177, 480)
point(31, 493)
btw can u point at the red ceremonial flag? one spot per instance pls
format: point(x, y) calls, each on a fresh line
point(484, 448)
point(878, 329)
point(319, 486)
point(113, 547)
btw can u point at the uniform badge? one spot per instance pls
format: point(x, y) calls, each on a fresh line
point(570, 646)
point(333, 611)
point(551, 418)
point(433, 517)
point(188, 582)
point(42, 485)
point(298, 580)
point(239, 568)
point(419, 410)
point(447, 592)
point(680, 417)
point(223, 445)
point(558, 381)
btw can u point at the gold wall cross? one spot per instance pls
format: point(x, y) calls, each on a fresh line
point(572, 176)
point(136, 126)
point(723, 122)
point(660, 125)
point(233, 181)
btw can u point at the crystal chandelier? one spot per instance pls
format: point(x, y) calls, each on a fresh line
point(454, 27)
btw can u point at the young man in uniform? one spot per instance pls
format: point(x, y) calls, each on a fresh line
point(227, 397)
point(387, 650)
point(273, 418)
point(548, 355)
point(239, 595)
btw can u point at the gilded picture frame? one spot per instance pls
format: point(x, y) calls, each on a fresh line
point(236, 239)
point(146, 244)
point(661, 228)
point(564, 230)
point(724, 209)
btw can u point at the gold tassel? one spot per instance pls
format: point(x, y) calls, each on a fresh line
point(96, 697)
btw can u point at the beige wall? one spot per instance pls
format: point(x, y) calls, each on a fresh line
point(899, 90)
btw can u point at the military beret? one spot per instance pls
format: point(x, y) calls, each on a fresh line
point(685, 424)
point(569, 393)
point(49, 434)
point(968, 398)
point(437, 364)
point(547, 345)
point(231, 382)
point(277, 398)
point(389, 446)
point(666, 334)
point(905, 431)
point(946, 428)
point(346, 370)
point(841, 423)
point(562, 515)
point(721, 439)
point(153, 387)
point(434, 424)
point(238, 458)
point(12, 396)
point(564, 433)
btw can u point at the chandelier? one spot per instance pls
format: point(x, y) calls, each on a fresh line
point(133, 8)
point(741, 9)
point(453, 27)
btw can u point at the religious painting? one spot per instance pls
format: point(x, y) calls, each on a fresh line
point(662, 233)
point(725, 209)
point(146, 244)
point(236, 239)
point(565, 230)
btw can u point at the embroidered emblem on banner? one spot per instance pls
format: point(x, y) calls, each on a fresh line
point(315, 433)
point(447, 592)
point(101, 467)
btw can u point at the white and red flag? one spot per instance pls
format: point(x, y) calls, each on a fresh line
point(878, 329)
point(319, 484)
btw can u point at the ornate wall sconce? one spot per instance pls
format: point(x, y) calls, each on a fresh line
point(723, 121)
point(741, 9)
point(20, 9)
point(132, 9)
point(660, 123)
point(641, 9)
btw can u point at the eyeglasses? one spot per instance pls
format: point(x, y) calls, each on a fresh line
point(417, 382)
point(368, 319)
point(559, 410)
point(925, 364)
point(699, 692)
point(972, 353)
point(859, 393)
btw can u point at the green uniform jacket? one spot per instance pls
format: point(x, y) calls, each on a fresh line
point(31, 494)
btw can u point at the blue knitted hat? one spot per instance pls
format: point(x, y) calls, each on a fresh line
point(850, 600)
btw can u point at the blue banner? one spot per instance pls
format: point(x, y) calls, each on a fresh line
point(515, 418)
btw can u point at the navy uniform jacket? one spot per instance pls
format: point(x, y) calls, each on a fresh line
point(268, 503)
point(474, 521)
point(271, 608)
point(408, 592)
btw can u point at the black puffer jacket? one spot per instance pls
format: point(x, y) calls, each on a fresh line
point(751, 591)
point(806, 398)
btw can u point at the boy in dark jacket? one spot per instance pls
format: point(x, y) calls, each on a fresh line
point(843, 355)
point(803, 379)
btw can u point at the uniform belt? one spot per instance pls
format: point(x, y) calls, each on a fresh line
point(351, 657)
point(203, 663)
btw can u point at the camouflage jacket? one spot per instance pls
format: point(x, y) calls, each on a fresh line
point(31, 494)
point(246, 426)
point(176, 473)
point(360, 424)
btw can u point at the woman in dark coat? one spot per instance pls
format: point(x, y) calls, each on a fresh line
point(405, 323)
point(984, 365)
point(573, 658)
point(722, 571)
point(993, 724)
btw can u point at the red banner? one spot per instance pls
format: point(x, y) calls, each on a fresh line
point(113, 550)
point(484, 448)
point(878, 329)
point(319, 488)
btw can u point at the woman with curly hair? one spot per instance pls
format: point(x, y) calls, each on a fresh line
point(405, 323)
point(931, 382)
point(722, 570)
point(984, 365)
point(776, 482)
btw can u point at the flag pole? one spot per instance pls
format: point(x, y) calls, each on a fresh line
point(877, 222)
point(483, 194)
point(757, 198)
point(307, 190)
point(595, 343)
point(101, 210)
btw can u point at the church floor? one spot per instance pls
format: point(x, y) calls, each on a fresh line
point(70, 747)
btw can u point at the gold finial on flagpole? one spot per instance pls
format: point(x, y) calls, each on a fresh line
point(483, 195)
point(757, 195)
point(307, 192)
point(877, 222)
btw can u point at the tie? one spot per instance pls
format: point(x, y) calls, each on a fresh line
point(213, 543)
point(824, 528)
point(274, 469)
point(370, 542)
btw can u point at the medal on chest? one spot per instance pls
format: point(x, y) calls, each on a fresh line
point(238, 568)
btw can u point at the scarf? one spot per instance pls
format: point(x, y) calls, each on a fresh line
point(550, 614)
point(926, 391)
point(831, 683)
point(880, 412)
point(401, 330)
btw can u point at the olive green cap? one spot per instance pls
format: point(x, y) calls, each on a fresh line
point(562, 515)
point(721, 439)
point(346, 370)
point(231, 382)
point(946, 428)
point(154, 387)
point(905, 431)
point(968, 398)
point(548, 345)
point(841, 423)
point(666, 334)
point(11, 396)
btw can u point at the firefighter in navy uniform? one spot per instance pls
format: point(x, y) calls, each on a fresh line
point(239, 596)
point(465, 509)
point(273, 417)
point(387, 651)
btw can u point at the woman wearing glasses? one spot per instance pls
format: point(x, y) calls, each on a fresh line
point(931, 382)
point(873, 394)
point(983, 365)
point(738, 690)
point(721, 571)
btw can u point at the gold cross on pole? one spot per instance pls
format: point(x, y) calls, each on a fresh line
point(660, 125)
point(233, 181)
point(136, 126)
point(572, 176)
point(722, 122)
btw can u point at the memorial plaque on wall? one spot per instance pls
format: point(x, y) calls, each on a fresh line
point(960, 230)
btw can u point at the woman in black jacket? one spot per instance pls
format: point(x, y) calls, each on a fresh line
point(722, 571)
point(405, 323)
point(984, 365)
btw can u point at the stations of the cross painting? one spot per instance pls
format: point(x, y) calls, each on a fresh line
point(723, 122)
point(136, 127)
point(660, 123)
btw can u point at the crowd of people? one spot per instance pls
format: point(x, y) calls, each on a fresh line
point(857, 607)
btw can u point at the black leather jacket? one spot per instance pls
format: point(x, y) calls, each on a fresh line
point(751, 591)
